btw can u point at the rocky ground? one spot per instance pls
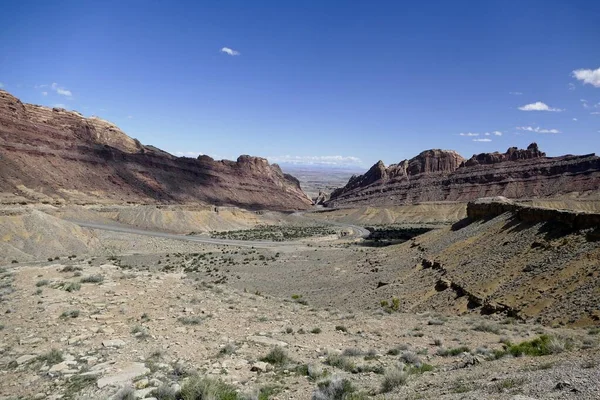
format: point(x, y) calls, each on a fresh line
point(107, 327)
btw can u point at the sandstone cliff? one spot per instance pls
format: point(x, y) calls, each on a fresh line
point(52, 155)
point(438, 175)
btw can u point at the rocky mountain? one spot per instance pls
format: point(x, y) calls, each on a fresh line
point(440, 175)
point(56, 156)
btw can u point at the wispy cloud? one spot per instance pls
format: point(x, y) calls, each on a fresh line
point(59, 105)
point(595, 113)
point(44, 93)
point(229, 51)
point(584, 103)
point(571, 86)
point(539, 106)
point(516, 93)
point(61, 90)
point(588, 76)
point(537, 129)
point(1, 85)
point(574, 119)
point(474, 134)
point(482, 140)
point(316, 160)
point(130, 117)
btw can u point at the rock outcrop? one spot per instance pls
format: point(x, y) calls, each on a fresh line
point(56, 156)
point(438, 175)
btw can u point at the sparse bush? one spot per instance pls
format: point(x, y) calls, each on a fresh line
point(314, 371)
point(200, 388)
point(125, 393)
point(43, 282)
point(436, 321)
point(352, 352)
point(38, 291)
point(277, 356)
point(341, 362)
point(452, 352)
point(411, 358)
point(164, 392)
point(316, 330)
point(70, 314)
point(487, 327)
point(334, 389)
point(139, 332)
point(229, 348)
point(438, 342)
point(71, 268)
point(92, 279)
point(540, 346)
point(71, 286)
point(393, 378)
point(289, 330)
point(190, 320)
point(52, 357)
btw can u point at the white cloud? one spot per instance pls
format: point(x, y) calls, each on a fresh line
point(316, 160)
point(482, 140)
point(571, 86)
point(1, 85)
point(574, 119)
point(588, 76)
point(44, 93)
point(595, 113)
point(538, 106)
point(229, 51)
point(59, 105)
point(469, 134)
point(584, 103)
point(497, 133)
point(61, 90)
point(516, 93)
point(537, 129)
point(487, 134)
point(130, 117)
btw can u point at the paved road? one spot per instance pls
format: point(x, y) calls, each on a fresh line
point(358, 232)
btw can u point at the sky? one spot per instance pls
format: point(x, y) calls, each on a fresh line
point(331, 83)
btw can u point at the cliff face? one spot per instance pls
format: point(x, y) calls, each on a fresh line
point(437, 175)
point(56, 156)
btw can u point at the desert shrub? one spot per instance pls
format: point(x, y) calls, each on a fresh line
point(52, 357)
point(71, 286)
point(43, 282)
point(70, 314)
point(316, 330)
point(341, 362)
point(423, 367)
point(335, 389)
point(92, 279)
point(200, 388)
point(229, 348)
point(452, 352)
point(436, 321)
point(277, 356)
point(352, 352)
point(190, 320)
point(71, 268)
point(140, 332)
point(393, 378)
point(438, 342)
point(411, 358)
point(487, 327)
point(164, 392)
point(540, 346)
point(125, 393)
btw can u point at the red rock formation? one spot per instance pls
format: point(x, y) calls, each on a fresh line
point(57, 156)
point(437, 175)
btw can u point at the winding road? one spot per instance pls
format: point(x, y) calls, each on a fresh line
point(357, 232)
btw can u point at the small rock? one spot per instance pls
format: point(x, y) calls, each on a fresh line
point(25, 359)
point(259, 367)
point(113, 343)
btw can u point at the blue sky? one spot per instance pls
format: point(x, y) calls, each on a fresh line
point(332, 82)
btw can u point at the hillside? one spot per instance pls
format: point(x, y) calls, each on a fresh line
point(441, 175)
point(51, 155)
